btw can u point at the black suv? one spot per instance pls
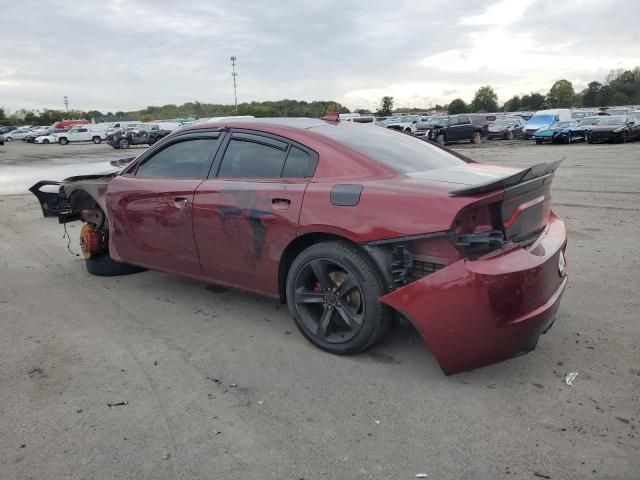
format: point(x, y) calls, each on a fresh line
point(455, 128)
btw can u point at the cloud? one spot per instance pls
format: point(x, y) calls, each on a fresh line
point(127, 54)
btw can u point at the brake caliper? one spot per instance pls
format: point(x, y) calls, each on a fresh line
point(90, 240)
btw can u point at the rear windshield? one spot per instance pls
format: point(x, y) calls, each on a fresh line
point(403, 153)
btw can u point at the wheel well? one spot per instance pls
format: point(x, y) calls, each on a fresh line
point(297, 246)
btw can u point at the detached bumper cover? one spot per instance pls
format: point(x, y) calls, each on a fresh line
point(475, 313)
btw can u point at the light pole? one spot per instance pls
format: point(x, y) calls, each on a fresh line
point(234, 75)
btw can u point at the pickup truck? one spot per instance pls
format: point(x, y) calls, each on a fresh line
point(81, 133)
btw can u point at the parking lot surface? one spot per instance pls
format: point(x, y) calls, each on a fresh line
point(208, 383)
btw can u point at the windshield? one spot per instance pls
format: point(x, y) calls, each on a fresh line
point(403, 153)
point(505, 123)
point(562, 124)
point(612, 121)
point(542, 119)
point(589, 121)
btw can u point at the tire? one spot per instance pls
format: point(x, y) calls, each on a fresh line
point(476, 139)
point(63, 141)
point(104, 266)
point(538, 141)
point(624, 138)
point(96, 140)
point(341, 323)
point(45, 141)
point(8, 139)
point(509, 135)
point(440, 139)
point(123, 143)
point(589, 139)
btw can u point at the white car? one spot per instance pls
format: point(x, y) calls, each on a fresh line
point(80, 133)
point(404, 123)
point(17, 134)
point(51, 137)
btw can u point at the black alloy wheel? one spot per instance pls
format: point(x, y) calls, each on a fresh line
point(332, 294)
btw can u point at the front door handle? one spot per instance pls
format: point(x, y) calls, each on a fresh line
point(180, 202)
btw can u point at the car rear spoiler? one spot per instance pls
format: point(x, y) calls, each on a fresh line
point(536, 171)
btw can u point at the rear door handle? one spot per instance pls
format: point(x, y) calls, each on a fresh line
point(280, 203)
point(180, 202)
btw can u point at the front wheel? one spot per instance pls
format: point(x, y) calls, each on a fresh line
point(45, 141)
point(103, 265)
point(124, 143)
point(8, 139)
point(538, 141)
point(332, 293)
point(440, 139)
point(96, 140)
point(477, 138)
point(510, 135)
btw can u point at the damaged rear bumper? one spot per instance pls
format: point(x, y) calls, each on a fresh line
point(475, 313)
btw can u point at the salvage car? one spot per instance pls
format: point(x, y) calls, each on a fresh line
point(404, 123)
point(560, 132)
point(16, 134)
point(506, 128)
point(456, 128)
point(349, 226)
point(142, 135)
point(52, 137)
point(614, 128)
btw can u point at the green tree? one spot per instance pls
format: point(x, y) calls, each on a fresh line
point(386, 106)
point(561, 94)
point(485, 100)
point(591, 96)
point(533, 101)
point(513, 104)
point(458, 105)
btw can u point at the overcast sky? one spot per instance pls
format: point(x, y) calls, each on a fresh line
point(126, 54)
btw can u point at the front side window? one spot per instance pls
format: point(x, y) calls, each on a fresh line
point(247, 157)
point(186, 159)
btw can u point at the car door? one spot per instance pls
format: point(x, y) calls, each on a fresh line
point(465, 127)
point(76, 134)
point(247, 212)
point(151, 205)
point(453, 131)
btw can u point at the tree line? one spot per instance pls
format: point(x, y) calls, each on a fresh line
point(280, 108)
point(621, 87)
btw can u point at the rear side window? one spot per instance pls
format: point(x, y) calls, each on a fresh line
point(398, 151)
point(186, 159)
point(246, 157)
point(299, 164)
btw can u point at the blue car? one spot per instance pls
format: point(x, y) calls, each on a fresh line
point(560, 132)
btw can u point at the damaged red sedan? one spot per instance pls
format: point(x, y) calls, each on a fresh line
point(349, 225)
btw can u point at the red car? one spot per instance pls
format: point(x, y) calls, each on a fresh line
point(348, 224)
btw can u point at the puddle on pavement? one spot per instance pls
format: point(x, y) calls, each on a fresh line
point(16, 179)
